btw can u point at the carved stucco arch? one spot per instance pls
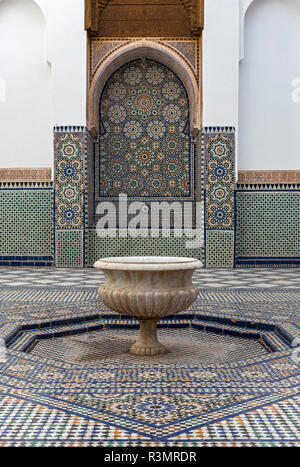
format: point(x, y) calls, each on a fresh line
point(134, 51)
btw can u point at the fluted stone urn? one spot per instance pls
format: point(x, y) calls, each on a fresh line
point(148, 289)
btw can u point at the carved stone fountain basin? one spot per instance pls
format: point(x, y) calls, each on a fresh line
point(148, 289)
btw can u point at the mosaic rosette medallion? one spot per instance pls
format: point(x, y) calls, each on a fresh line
point(218, 152)
point(220, 182)
point(69, 181)
point(145, 146)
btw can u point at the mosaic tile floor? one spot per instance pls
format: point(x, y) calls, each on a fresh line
point(113, 346)
point(251, 399)
point(233, 278)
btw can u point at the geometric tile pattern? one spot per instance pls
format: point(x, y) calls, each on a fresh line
point(26, 213)
point(70, 144)
point(69, 180)
point(191, 346)
point(146, 104)
point(218, 149)
point(69, 249)
point(268, 227)
point(187, 48)
point(145, 146)
point(47, 402)
point(219, 153)
point(219, 248)
point(145, 245)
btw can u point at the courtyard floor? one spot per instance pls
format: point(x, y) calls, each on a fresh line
point(231, 378)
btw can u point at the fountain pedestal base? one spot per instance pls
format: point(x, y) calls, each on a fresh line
point(148, 343)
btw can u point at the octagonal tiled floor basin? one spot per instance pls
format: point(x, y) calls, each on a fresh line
point(185, 346)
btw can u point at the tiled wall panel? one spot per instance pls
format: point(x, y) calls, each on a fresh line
point(268, 227)
point(70, 145)
point(26, 217)
point(219, 249)
point(69, 249)
point(218, 147)
point(100, 248)
point(145, 146)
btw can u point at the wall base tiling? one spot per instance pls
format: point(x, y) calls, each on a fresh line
point(97, 247)
point(268, 228)
point(219, 249)
point(69, 249)
point(26, 261)
point(264, 263)
point(26, 216)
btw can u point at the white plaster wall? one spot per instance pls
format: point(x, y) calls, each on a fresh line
point(64, 68)
point(55, 94)
point(269, 112)
point(25, 103)
point(67, 53)
point(221, 50)
point(42, 77)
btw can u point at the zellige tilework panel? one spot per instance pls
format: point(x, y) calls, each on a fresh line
point(145, 143)
point(253, 399)
point(70, 145)
point(104, 247)
point(219, 155)
point(218, 152)
point(268, 224)
point(69, 248)
point(26, 217)
point(69, 179)
point(219, 249)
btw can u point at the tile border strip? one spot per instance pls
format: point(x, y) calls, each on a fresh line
point(16, 175)
point(246, 177)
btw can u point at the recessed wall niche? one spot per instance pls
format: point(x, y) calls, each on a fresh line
point(173, 170)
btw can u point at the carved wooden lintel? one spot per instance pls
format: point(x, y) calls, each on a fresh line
point(194, 9)
point(195, 12)
point(197, 17)
point(92, 15)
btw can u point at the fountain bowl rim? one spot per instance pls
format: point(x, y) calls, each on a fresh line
point(148, 263)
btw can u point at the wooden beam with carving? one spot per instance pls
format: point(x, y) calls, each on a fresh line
point(94, 10)
point(195, 11)
point(91, 16)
